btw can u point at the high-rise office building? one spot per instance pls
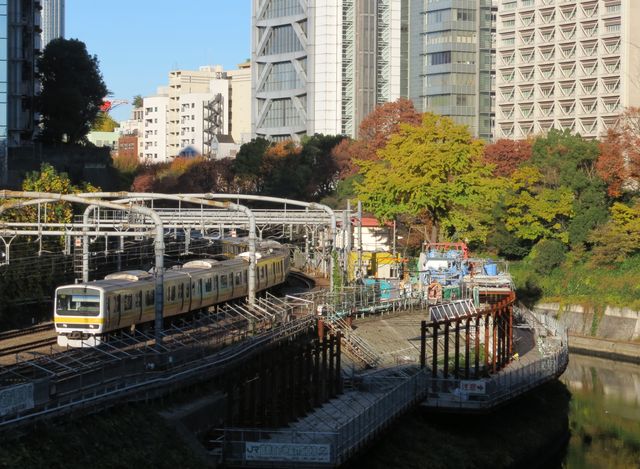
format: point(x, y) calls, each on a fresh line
point(20, 32)
point(566, 64)
point(322, 66)
point(451, 56)
point(52, 20)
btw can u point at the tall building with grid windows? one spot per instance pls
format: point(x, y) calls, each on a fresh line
point(322, 66)
point(566, 64)
point(452, 52)
point(52, 20)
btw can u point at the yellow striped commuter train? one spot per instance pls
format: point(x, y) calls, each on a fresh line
point(85, 313)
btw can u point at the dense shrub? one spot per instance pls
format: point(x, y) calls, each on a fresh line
point(546, 255)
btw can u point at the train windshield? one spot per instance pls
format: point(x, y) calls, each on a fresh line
point(78, 302)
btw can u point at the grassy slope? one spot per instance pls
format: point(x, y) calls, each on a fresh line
point(584, 283)
point(130, 436)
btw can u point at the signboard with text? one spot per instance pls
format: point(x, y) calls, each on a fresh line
point(473, 387)
point(290, 452)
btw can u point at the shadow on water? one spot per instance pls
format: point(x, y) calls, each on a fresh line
point(519, 435)
point(589, 419)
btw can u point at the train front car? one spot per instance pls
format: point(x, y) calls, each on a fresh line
point(79, 315)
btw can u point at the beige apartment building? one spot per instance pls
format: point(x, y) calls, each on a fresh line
point(186, 117)
point(565, 64)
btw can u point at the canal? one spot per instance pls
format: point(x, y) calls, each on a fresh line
point(604, 414)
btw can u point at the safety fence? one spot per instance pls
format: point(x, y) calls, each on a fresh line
point(137, 373)
point(372, 412)
point(545, 362)
point(380, 399)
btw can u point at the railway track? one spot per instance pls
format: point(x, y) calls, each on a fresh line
point(28, 346)
point(301, 280)
point(28, 331)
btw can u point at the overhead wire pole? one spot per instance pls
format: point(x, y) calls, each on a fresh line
point(201, 199)
point(311, 205)
point(159, 238)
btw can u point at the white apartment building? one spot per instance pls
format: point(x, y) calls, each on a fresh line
point(192, 123)
point(201, 106)
point(565, 64)
point(322, 66)
point(154, 137)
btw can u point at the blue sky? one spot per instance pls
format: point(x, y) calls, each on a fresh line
point(139, 41)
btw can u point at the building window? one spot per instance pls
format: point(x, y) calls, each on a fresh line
point(439, 58)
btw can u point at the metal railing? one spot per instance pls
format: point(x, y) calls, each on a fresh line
point(142, 370)
point(386, 394)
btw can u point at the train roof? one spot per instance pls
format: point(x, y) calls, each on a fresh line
point(129, 275)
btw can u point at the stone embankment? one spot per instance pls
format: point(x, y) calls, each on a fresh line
point(611, 332)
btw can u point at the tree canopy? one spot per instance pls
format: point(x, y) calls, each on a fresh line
point(374, 133)
point(435, 171)
point(72, 91)
point(619, 161)
point(104, 123)
point(506, 155)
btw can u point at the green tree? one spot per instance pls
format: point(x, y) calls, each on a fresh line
point(620, 237)
point(72, 91)
point(104, 123)
point(248, 163)
point(434, 171)
point(534, 211)
point(48, 180)
point(568, 161)
point(137, 101)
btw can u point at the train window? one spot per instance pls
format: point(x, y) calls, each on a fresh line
point(238, 278)
point(128, 302)
point(187, 291)
point(245, 277)
point(207, 285)
point(223, 281)
point(117, 304)
point(137, 300)
point(180, 291)
point(149, 297)
point(172, 297)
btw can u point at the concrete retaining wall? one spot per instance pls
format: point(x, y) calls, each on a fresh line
point(613, 334)
point(614, 323)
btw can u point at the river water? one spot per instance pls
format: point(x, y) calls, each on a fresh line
point(605, 414)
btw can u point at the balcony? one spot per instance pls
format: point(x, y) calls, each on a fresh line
point(546, 91)
point(547, 72)
point(546, 110)
point(590, 11)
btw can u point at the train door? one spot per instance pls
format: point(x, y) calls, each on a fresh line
point(138, 304)
point(181, 294)
point(196, 296)
point(234, 284)
point(107, 315)
point(118, 312)
point(216, 289)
